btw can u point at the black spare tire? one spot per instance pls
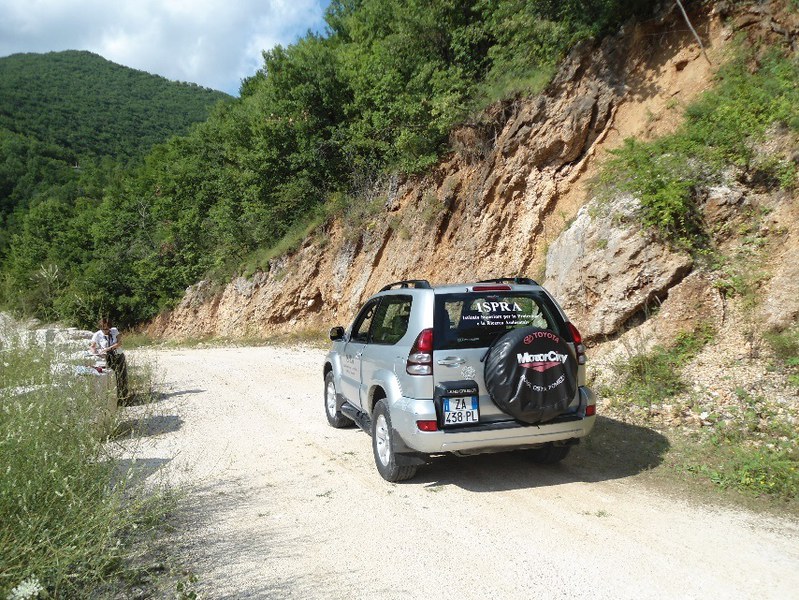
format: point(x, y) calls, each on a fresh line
point(531, 374)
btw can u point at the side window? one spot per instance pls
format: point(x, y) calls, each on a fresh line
point(360, 329)
point(391, 319)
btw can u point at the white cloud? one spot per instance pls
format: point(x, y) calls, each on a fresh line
point(214, 43)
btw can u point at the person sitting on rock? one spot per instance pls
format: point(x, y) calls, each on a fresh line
point(107, 342)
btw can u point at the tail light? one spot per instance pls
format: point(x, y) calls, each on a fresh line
point(578, 344)
point(590, 410)
point(427, 425)
point(420, 359)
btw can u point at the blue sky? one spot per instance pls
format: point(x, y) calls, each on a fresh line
point(214, 43)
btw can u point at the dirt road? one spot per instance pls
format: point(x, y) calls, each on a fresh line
point(283, 506)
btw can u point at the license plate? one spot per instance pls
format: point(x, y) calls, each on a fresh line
point(461, 411)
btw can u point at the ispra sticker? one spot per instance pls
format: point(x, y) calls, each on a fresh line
point(504, 313)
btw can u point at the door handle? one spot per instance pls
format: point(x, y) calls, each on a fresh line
point(359, 354)
point(451, 361)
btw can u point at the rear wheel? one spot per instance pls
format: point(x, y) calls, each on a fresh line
point(383, 447)
point(549, 454)
point(334, 416)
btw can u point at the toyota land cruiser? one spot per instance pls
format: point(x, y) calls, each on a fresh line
point(463, 368)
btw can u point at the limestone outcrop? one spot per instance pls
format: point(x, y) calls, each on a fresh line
point(605, 269)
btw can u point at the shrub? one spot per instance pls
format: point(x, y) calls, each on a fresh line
point(721, 129)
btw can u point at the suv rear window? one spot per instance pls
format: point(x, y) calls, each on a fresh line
point(476, 320)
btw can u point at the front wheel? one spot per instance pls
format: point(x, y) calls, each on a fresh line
point(334, 416)
point(383, 447)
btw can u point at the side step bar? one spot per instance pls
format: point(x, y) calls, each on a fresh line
point(361, 419)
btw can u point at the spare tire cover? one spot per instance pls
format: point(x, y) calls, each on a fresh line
point(531, 374)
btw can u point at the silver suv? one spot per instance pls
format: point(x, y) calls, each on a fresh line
point(463, 368)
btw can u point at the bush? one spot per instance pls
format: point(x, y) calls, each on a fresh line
point(721, 129)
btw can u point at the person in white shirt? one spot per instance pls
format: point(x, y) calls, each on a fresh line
point(108, 343)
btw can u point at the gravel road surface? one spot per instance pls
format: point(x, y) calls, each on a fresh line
point(283, 506)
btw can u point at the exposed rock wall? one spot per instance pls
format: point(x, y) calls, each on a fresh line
point(494, 206)
point(605, 269)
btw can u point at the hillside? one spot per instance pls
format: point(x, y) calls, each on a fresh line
point(315, 130)
point(511, 189)
point(676, 254)
point(93, 107)
point(73, 128)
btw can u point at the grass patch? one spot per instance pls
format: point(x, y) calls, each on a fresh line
point(649, 378)
point(289, 243)
point(311, 337)
point(721, 129)
point(136, 339)
point(512, 84)
point(772, 471)
point(316, 338)
point(67, 514)
point(357, 215)
point(756, 453)
point(750, 446)
point(785, 345)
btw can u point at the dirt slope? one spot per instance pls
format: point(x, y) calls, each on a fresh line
point(283, 506)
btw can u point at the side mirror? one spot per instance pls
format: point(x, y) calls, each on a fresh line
point(337, 333)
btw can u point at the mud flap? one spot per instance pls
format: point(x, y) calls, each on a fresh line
point(405, 456)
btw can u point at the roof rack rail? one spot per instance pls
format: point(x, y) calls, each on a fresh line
point(516, 280)
point(419, 284)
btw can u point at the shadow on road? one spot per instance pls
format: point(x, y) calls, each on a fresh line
point(147, 426)
point(236, 566)
point(147, 399)
point(612, 451)
point(165, 395)
point(134, 471)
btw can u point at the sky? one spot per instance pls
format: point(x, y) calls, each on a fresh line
point(214, 43)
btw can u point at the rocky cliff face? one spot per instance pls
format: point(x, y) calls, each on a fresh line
point(512, 199)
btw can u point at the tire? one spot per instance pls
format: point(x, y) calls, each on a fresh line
point(383, 447)
point(531, 374)
point(334, 416)
point(549, 454)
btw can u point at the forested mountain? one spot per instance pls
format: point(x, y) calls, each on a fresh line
point(93, 107)
point(70, 122)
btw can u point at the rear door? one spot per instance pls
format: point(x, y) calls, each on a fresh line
point(467, 324)
point(352, 353)
point(389, 326)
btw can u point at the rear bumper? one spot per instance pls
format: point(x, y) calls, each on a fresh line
point(506, 435)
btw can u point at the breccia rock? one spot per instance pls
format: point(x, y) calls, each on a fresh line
point(605, 269)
